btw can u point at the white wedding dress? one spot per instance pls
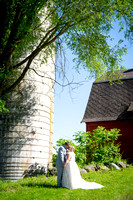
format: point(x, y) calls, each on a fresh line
point(72, 179)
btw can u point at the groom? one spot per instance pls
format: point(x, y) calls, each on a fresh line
point(60, 162)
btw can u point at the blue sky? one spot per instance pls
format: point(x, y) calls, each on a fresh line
point(69, 106)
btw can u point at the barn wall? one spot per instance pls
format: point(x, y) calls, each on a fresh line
point(126, 139)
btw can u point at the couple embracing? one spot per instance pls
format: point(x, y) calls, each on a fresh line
point(68, 174)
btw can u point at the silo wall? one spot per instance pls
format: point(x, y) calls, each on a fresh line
point(26, 132)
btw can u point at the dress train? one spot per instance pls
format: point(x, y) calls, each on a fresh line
point(72, 179)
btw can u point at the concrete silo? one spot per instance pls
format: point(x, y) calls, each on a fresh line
point(26, 132)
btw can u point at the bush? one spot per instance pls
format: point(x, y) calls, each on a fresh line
point(98, 147)
point(102, 147)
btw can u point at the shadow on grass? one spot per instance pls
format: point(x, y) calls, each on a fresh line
point(39, 185)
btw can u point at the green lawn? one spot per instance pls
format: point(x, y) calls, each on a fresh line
point(118, 185)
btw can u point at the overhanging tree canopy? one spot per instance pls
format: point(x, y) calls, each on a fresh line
point(29, 26)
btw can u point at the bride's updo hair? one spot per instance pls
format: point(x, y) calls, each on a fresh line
point(71, 149)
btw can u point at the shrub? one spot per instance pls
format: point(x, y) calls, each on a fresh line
point(97, 147)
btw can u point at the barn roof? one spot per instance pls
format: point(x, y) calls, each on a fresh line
point(111, 102)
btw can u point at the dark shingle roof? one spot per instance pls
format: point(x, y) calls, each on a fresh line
point(111, 102)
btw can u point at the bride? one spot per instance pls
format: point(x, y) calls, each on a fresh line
point(71, 175)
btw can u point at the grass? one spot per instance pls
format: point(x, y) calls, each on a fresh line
point(118, 185)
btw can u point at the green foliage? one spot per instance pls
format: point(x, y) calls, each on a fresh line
point(2, 107)
point(80, 139)
point(98, 147)
point(29, 27)
point(101, 147)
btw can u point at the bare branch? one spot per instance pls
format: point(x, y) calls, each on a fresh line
point(62, 85)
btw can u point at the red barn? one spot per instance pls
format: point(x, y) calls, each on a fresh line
point(111, 106)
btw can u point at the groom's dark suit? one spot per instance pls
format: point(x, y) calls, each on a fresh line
point(59, 162)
